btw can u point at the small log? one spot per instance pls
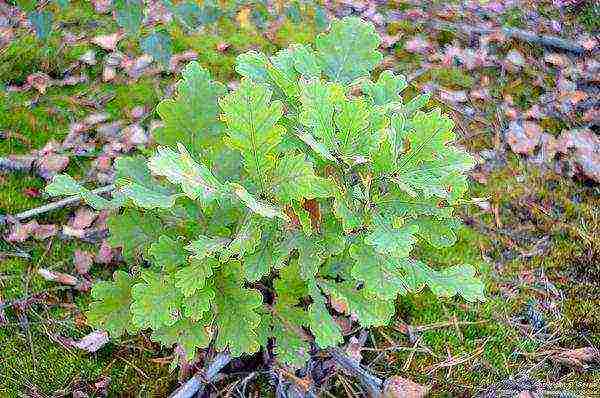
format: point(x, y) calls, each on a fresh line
point(373, 384)
point(199, 381)
point(515, 33)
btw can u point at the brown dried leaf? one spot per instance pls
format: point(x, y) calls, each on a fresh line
point(51, 164)
point(40, 81)
point(105, 254)
point(577, 357)
point(523, 137)
point(587, 150)
point(83, 261)
point(93, 341)
point(83, 218)
point(107, 42)
point(399, 387)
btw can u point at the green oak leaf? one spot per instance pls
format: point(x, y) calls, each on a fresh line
point(386, 90)
point(191, 118)
point(311, 252)
point(258, 207)
point(326, 331)
point(306, 61)
point(265, 258)
point(358, 130)
point(135, 182)
point(156, 301)
point(168, 253)
point(251, 118)
point(236, 312)
point(197, 305)
point(109, 309)
point(134, 231)
point(245, 241)
point(188, 334)
point(65, 185)
point(458, 279)
point(348, 50)
point(196, 180)
point(369, 310)
point(294, 179)
point(391, 241)
point(439, 233)
point(319, 103)
point(382, 276)
point(204, 246)
point(193, 277)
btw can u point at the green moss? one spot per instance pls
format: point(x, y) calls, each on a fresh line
point(146, 91)
point(290, 33)
point(452, 77)
point(589, 16)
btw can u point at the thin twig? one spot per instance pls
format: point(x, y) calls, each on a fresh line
point(372, 383)
point(71, 200)
point(199, 381)
point(515, 33)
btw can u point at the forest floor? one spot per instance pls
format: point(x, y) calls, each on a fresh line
point(529, 112)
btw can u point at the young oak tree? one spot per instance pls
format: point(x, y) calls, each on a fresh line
point(268, 210)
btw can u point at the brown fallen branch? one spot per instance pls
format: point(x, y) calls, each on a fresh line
point(198, 382)
point(373, 384)
point(64, 279)
point(518, 34)
point(71, 200)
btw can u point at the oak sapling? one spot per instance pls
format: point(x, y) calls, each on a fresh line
point(270, 210)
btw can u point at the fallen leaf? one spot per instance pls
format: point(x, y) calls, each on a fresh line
point(523, 137)
point(51, 164)
point(223, 46)
point(353, 349)
point(64, 279)
point(96, 118)
point(515, 58)
point(93, 341)
point(587, 150)
point(83, 261)
point(21, 232)
point(31, 192)
point(558, 60)
point(418, 45)
point(105, 254)
point(107, 42)
point(40, 81)
point(108, 73)
point(89, 57)
point(399, 387)
point(453, 96)
point(44, 231)
point(577, 357)
point(102, 6)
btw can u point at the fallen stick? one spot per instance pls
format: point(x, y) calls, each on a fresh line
point(515, 33)
point(71, 200)
point(199, 381)
point(373, 384)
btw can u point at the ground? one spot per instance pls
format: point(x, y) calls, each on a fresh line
point(531, 230)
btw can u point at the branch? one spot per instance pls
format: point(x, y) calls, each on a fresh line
point(519, 34)
point(71, 200)
point(373, 384)
point(198, 382)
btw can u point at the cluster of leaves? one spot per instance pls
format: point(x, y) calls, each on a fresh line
point(269, 210)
